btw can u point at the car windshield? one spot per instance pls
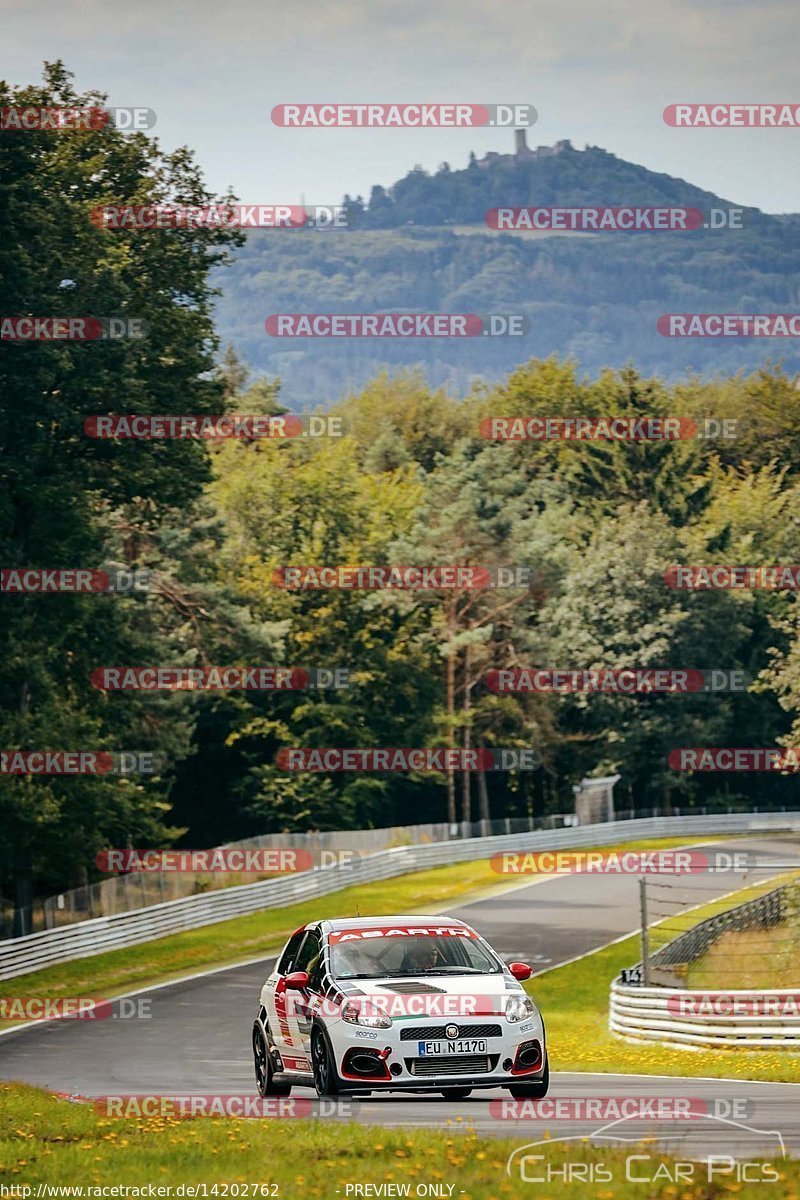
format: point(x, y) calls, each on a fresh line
point(412, 956)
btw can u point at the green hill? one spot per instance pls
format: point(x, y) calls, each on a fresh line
point(423, 244)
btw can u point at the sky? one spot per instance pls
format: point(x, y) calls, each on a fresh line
point(597, 73)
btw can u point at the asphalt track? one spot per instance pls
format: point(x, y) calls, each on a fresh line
point(197, 1037)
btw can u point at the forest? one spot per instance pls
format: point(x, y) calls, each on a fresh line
point(412, 480)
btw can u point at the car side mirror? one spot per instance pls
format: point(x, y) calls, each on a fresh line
point(296, 982)
point(520, 971)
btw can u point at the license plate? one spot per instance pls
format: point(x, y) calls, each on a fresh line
point(462, 1046)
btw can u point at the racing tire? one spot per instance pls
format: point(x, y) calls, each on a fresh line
point(326, 1081)
point(264, 1075)
point(532, 1091)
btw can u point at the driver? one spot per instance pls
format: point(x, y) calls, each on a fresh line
point(422, 957)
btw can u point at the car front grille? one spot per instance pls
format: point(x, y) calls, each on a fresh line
point(429, 1033)
point(456, 1064)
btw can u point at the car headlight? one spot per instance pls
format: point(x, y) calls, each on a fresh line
point(519, 1007)
point(373, 1019)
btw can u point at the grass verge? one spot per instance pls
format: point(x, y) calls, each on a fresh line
point(44, 1139)
point(574, 1003)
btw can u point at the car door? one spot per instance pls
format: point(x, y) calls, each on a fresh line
point(301, 1005)
point(273, 994)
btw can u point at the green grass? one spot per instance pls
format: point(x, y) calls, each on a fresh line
point(117, 971)
point(574, 1003)
point(44, 1139)
point(256, 934)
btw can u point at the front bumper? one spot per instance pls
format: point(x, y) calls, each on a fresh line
point(421, 1086)
point(384, 1060)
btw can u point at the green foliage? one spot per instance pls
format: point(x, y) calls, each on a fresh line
point(597, 524)
point(412, 482)
point(69, 501)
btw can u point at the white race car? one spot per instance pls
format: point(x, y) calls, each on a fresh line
point(418, 1004)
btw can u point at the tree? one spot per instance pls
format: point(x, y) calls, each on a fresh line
point(285, 504)
point(67, 500)
point(233, 372)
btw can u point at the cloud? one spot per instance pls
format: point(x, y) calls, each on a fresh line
point(598, 73)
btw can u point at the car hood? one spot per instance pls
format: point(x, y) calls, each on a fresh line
point(447, 985)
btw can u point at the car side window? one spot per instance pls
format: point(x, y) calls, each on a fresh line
point(290, 953)
point(310, 957)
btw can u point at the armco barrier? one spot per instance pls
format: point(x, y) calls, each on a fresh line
point(21, 955)
point(643, 1014)
point(140, 889)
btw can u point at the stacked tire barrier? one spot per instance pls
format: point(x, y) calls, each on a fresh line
point(742, 1019)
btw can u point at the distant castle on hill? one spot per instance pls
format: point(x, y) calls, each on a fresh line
point(522, 151)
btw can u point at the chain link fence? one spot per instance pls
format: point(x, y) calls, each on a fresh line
point(141, 889)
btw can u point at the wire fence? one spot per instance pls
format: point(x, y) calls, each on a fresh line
point(135, 890)
point(34, 951)
point(138, 889)
point(743, 945)
point(729, 980)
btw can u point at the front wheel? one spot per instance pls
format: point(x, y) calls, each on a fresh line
point(532, 1091)
point(456, 1093)
point(325, 1080)
point(263, 1067)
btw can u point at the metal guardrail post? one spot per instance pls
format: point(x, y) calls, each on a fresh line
point(645, 931)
